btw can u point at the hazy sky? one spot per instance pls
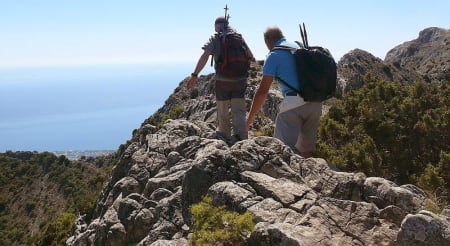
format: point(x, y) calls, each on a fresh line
point(64, 32)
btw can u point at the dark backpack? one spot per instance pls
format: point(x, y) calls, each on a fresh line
point(316, 70)
point(234, 60)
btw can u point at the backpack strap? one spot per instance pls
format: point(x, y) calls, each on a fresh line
point(292, 50)
point(218, 47)
point(283, 47)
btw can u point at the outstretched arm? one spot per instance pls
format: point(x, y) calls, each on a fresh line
point(200, 65)
point(259, 98)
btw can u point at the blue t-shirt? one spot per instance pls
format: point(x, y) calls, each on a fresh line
point(281, 64)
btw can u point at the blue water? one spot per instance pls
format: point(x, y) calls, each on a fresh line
point(81, 108)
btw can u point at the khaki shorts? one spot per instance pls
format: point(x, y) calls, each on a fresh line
point(231, 107)
point(297, 127)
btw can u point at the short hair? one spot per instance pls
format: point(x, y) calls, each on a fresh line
point(274, 33)
point(221, 19)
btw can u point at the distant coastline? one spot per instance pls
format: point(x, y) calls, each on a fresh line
point(78, 154)
point(81, 107)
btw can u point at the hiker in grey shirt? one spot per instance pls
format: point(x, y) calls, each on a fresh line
point(229, 89)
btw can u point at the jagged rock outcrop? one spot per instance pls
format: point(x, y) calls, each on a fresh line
point(429, 54)
point(426, 58)
point(296, 201)
point(354, 65)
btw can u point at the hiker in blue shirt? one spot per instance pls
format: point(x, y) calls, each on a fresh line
point(297, 121)
point(230, 89)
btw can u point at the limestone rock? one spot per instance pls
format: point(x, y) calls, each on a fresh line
point(429, 54)
point(295, 201)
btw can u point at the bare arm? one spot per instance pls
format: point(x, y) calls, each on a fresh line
point(200, 65)
point(259, 98)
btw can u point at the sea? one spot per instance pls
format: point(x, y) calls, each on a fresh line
point(79, 108)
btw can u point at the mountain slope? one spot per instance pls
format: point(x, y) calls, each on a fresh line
point(295, 200)
point(38, 188)
point(429, 54)
point(172, 161)
point(353, 66)
point(168, 165)
point(426, 58)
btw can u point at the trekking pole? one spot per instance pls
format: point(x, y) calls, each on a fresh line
point(306, 35)
point(301, 35)
point(227, 16)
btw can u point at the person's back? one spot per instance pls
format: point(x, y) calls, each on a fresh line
point(297, 121)
point(281, 65)
point(230, 90)
point(231, 54)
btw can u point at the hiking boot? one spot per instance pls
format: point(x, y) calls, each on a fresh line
point(236, 138)
point(220, 136)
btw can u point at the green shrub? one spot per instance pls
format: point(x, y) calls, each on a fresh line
point(430, 178)
point(432, 206)
point(263, 127)
point(29, 206)
point(174, 113)
point(194, 93)
point(397, 131)
point(77, 183)
point(217, 226)
point(58, 232)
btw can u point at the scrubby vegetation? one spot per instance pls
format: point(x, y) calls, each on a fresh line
point(217, 226)
point(174, 113)
point(41, 195)
point(399, 132)
point(264, 126)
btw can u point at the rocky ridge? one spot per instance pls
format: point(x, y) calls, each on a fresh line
point(354, 65)
point(426, 58)
point(429, 54)
point(296, 201)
